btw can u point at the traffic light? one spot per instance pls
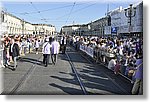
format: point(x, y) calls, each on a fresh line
point(109, 20)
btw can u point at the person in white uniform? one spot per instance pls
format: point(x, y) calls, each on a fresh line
point(112, 64)
point(37, 45)
point(63, 43)
point(55, 51)
point(46, 52)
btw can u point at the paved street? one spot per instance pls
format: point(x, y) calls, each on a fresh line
point(98, 53)
point(31, 77)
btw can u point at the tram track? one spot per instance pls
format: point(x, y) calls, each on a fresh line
point(109, 77)
point(82, 84)
point(119, 87)
point(24, 78)
point(77, 75)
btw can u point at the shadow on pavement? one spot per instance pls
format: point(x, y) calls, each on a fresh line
point(31, 60)
point(68, 90)
point(75, 58)
point(98, 72)
point(97, 77)
point(99, 84)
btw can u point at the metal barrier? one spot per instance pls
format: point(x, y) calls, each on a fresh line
point(103, 57)
point(87, 49)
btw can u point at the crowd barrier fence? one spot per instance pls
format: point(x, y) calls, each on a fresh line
point(103, 57)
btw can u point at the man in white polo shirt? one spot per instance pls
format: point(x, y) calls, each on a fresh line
point(55, 51)
point(112, 63)
point(46, 52)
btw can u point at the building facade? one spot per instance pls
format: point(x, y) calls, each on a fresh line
point(97, 27)
point(44, 29)
point(115, 23)
point(13, 25)
point(123, 25)
point(70, 30)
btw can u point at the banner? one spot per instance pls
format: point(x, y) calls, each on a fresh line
point(82, 48)
point(88, 50)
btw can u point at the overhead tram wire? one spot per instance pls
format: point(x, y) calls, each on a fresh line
point(42, 18)
point(46, 10)
point(70, 12)
point(41, 11)
point(47, 20)
point(78, 10)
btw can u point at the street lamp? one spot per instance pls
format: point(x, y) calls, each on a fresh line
point(129, 13)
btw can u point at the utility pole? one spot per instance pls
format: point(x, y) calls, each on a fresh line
point(107, 9)
point(91, 29)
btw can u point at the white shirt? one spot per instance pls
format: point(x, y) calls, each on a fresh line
point(46, 48)
point(74, 40)
point(37, 44)
point(63, 38)
point(120, 50)
point(12, 47)
point(55, 47)
point(111, 64)
point(77, 39)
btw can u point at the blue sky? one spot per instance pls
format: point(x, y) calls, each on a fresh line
point(62, 13)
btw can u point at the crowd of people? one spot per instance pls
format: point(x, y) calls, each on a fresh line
point(19, 45)
point(120, 54)
point(15, 46)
